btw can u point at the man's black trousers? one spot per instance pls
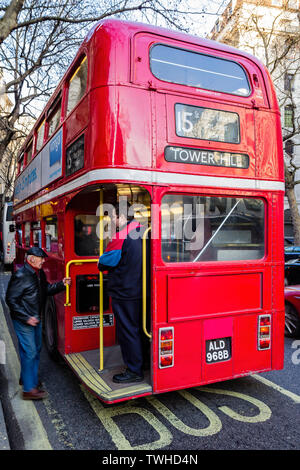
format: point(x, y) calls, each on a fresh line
point(128, 314)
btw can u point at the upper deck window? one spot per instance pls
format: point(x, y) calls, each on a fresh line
point(21, 163)
point(198, 70)
point(40, 136)
point(54, 119)
point(29, 152)
point(77, 85)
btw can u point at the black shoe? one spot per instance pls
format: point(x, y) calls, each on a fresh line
point(127, 377)
point(35, 394)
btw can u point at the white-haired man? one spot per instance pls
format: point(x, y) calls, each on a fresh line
point(26, 296)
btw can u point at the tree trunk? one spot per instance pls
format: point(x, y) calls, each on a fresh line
point(9, 20)
point(291, 196)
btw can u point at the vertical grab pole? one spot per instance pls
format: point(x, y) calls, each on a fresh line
point(101, 284)
point(145, 283)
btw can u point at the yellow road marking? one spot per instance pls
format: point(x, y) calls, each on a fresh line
point(293, 396)
point(121, 442)
point(264, 411)
point(58, 424)
point(214, 426)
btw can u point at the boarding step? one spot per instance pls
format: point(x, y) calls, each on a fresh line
point(100, 382)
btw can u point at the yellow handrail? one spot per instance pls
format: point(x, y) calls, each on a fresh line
point(77, 262)
point(101, 284)
point(145, 283)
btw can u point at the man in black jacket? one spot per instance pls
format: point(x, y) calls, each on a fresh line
point(26, 296)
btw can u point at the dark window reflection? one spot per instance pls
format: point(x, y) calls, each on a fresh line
point(86, 239)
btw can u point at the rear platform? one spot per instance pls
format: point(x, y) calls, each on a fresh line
point(86, 366)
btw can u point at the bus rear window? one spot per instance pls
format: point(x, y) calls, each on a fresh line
point(189, 68)
point(205, 228)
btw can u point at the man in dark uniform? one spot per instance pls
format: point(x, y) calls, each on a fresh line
point(123, 261)
point(26, 296)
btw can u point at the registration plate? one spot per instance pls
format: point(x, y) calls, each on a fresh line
point(218, 350)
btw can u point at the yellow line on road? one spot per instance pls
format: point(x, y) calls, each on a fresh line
point(33, 431)
point(214, 426)
point(119, 439)
point(293, 396)
point(264, 411)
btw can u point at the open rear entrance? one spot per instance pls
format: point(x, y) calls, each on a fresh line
point(93, 352)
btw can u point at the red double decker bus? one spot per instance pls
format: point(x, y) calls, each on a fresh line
point(188, 131)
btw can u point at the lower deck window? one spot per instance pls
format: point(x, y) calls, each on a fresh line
point(27, 234)
point(36, 234)
point(86, 240)
point(19, 235)
point(199, 228)
point(51, 234)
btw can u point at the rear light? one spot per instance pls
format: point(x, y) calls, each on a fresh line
point(264, 344)
point(166, 334)
point(166, 347)
point(166, 361)
point(8, 247)
point(264, 332)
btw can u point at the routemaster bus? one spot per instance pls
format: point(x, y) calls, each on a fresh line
point(187, 131)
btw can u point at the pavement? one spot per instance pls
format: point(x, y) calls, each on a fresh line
point(20, 424)
point(4, 441)
point(21, 427)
